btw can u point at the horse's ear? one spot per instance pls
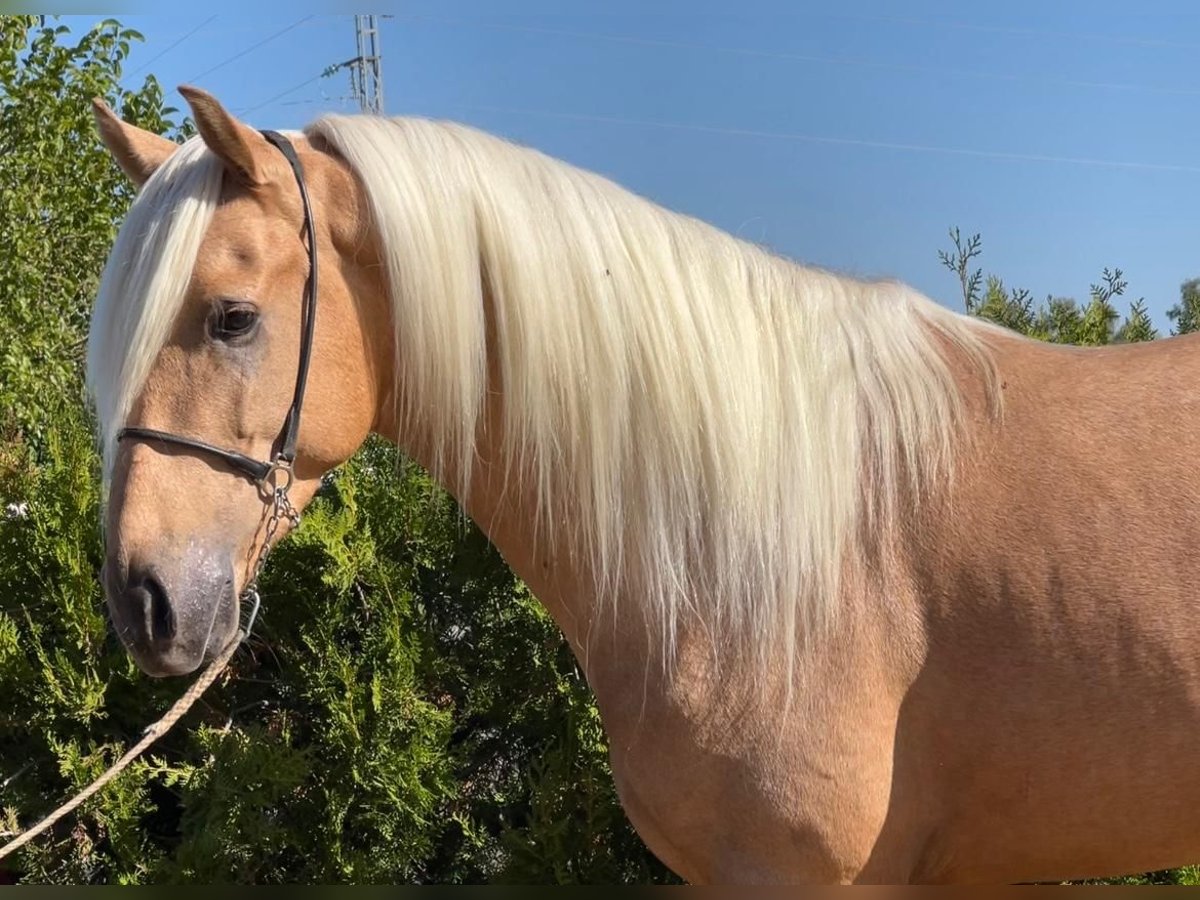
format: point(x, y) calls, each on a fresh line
point(138, 152)
point(245, 153)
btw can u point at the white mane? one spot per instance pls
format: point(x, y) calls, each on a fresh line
point(701, 413)
point(711, 425)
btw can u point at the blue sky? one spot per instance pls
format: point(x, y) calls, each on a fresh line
point(849, 134)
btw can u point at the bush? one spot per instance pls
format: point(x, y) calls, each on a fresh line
point(405, 711)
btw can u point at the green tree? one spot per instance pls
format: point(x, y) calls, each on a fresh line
point(1098, 321)
point(1011, 309)
point(1186, 313)
point(61, 198)
point(1060, 320)
point(958, 261)
point(1138, 326)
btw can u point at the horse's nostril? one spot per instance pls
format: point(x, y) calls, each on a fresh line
point(160, 616)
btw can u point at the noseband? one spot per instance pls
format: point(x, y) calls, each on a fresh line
point(274, 477)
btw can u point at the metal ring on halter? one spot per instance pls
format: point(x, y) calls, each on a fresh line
point(268, 480)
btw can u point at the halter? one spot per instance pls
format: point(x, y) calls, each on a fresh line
point(273, 477)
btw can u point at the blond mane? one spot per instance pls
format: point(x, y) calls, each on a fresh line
point(697, 414)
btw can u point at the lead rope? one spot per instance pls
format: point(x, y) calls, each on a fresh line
point(151, 734)
point(281, 509)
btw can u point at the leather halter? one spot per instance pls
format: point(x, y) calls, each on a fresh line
point(261, 472)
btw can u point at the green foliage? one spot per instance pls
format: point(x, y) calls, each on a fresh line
point(1012, 310)
point(1061, 320)
point(405, 712)
point(60, 197)
point(959, 262)
point(1138, 327)
point(1186, 313)
point(1187, 875)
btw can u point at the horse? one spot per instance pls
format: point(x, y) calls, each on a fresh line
point(867, 590)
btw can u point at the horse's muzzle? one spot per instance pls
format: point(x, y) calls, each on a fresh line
point(172, 614)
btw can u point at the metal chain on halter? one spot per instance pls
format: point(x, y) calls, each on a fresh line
point(281, 508)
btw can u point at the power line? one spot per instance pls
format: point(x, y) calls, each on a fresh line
point(1134, 40)
point(305, 83)
point(250, 49)
point(366, 78)
point(309, 101)
point(171, 47)
point(814, 58)
point(843, 141)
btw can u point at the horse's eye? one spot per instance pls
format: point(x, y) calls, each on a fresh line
point(232, 321)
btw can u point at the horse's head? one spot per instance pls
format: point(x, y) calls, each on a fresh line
point(197, 334)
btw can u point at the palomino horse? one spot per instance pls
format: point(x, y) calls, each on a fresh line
point(867, 591)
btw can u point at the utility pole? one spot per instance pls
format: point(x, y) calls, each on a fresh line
point(366, 69)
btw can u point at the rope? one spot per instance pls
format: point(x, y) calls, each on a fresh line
point(149, 736)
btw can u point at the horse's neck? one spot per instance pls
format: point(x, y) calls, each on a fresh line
point(505, 508)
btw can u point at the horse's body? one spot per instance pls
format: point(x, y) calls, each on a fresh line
point(1017, 695)
point(1001, 683)
point(1056, 708)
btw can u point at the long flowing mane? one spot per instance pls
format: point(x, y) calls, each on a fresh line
point(709, 425)
point(698, 415)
